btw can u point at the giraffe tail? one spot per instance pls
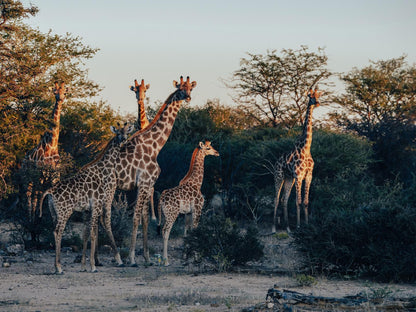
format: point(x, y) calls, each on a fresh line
point(152, 204)
point(47, 192)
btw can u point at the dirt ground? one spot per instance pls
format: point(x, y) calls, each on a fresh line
point(29, 284)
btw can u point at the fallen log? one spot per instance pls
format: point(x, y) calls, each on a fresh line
point(290, 297)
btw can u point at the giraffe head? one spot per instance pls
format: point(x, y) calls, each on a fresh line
point(59, 91)
point(140, 90)
point(122, 132)
point(317, 94)
point(207, 149)
point(314, 96)
point(185, 88)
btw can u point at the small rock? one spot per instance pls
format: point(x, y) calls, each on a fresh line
point(5, 264)
point(15, 249)
point(270, 305)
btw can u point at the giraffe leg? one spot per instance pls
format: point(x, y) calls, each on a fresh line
point(278, 186)
point(93, 233)
point(36, 196)
point(85, 236)
point(107, 226)
point(287, 187)
point(197, 211)
point(136, 220)
point(142, 201)
point(145, 226)
point(97, 261)
point(29, 198)
point(298, 186)
point(166, 232)
point(308, 180)
point(59, 230)
point(152, 205)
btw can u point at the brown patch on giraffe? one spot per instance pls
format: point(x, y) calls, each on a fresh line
point(151, 167)
point(160, 140)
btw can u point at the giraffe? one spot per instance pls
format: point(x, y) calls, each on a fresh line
point(186, 198)
point(45, 155)
point(91, 189)
point(296, 167)
point(140, 90)
point(137, 166)
point(142, 121)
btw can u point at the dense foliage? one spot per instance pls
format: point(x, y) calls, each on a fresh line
point(376, 239)
point(30, 62)
point(221, 242)
point(380, 104)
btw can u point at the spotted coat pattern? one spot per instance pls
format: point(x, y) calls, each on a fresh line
point(137, 166)
point(91, 189)
point(294, 168)
point(186, 198)
point(45, 155)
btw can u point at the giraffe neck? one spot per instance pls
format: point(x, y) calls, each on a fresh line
point(109, 153)
point(161, 126)
point(195, 173)
point(305, 140)
point(55, 128)
point(142, 119)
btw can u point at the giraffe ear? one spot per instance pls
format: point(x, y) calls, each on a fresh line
point(130, 129)
point(201, 145)
point(113, 130)
point(193, 84)
point(147, 86)
point(132, 88)
point(175, 83)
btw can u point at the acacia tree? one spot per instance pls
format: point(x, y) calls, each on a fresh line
point(30, 61)
point(380, 104)
point(383, 90)
point(272, 88)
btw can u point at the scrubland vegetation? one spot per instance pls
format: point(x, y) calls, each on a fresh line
point(363, 193)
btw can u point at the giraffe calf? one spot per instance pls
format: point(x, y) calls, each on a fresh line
point(186, 198)
point(91, 189)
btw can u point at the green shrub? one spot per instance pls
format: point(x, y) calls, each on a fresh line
point(305, 280)
point(219, 241)
point(377, 239)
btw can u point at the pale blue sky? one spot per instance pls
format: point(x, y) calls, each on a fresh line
point(161, 40)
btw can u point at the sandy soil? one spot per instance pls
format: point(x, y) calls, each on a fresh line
point(29, 284)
